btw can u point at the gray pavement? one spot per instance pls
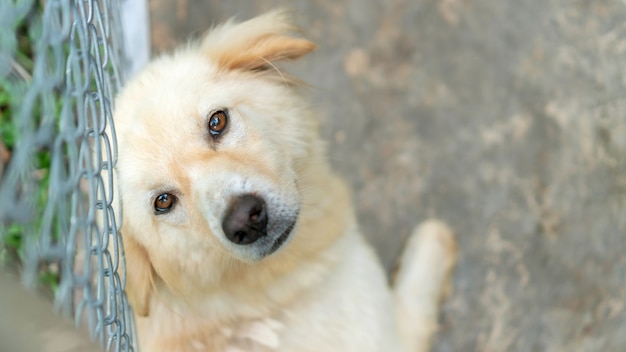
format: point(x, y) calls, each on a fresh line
point(506, 119)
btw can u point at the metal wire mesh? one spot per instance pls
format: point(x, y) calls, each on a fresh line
point(57, 213)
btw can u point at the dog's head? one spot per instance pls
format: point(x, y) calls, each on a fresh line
point(211, 140)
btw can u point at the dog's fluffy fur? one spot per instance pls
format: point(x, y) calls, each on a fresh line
point(194, 290)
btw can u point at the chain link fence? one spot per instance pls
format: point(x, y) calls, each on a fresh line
point(60, 66)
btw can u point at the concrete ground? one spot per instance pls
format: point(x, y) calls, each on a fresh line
point(507, 119)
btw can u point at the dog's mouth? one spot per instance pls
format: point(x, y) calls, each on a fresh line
point(282, 238)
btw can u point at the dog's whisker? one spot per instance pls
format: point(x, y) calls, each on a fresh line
point(275, 68)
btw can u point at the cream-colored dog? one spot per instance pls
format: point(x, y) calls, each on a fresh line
point(238, 236)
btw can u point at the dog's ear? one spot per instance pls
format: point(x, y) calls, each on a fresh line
point(255, 44)
point(139, 276)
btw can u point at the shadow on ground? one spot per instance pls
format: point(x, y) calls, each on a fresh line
point(504, 118)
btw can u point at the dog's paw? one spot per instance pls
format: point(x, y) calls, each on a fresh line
point(434, 242)
point(422, 281)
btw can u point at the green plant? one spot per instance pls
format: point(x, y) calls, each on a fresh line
point(12, 91)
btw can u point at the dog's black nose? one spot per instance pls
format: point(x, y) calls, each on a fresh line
point(246, 220)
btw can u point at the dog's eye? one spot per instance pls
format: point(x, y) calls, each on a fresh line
point(218, 122)
point(164, 203)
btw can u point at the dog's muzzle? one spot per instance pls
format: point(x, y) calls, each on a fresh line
point(248, 223)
